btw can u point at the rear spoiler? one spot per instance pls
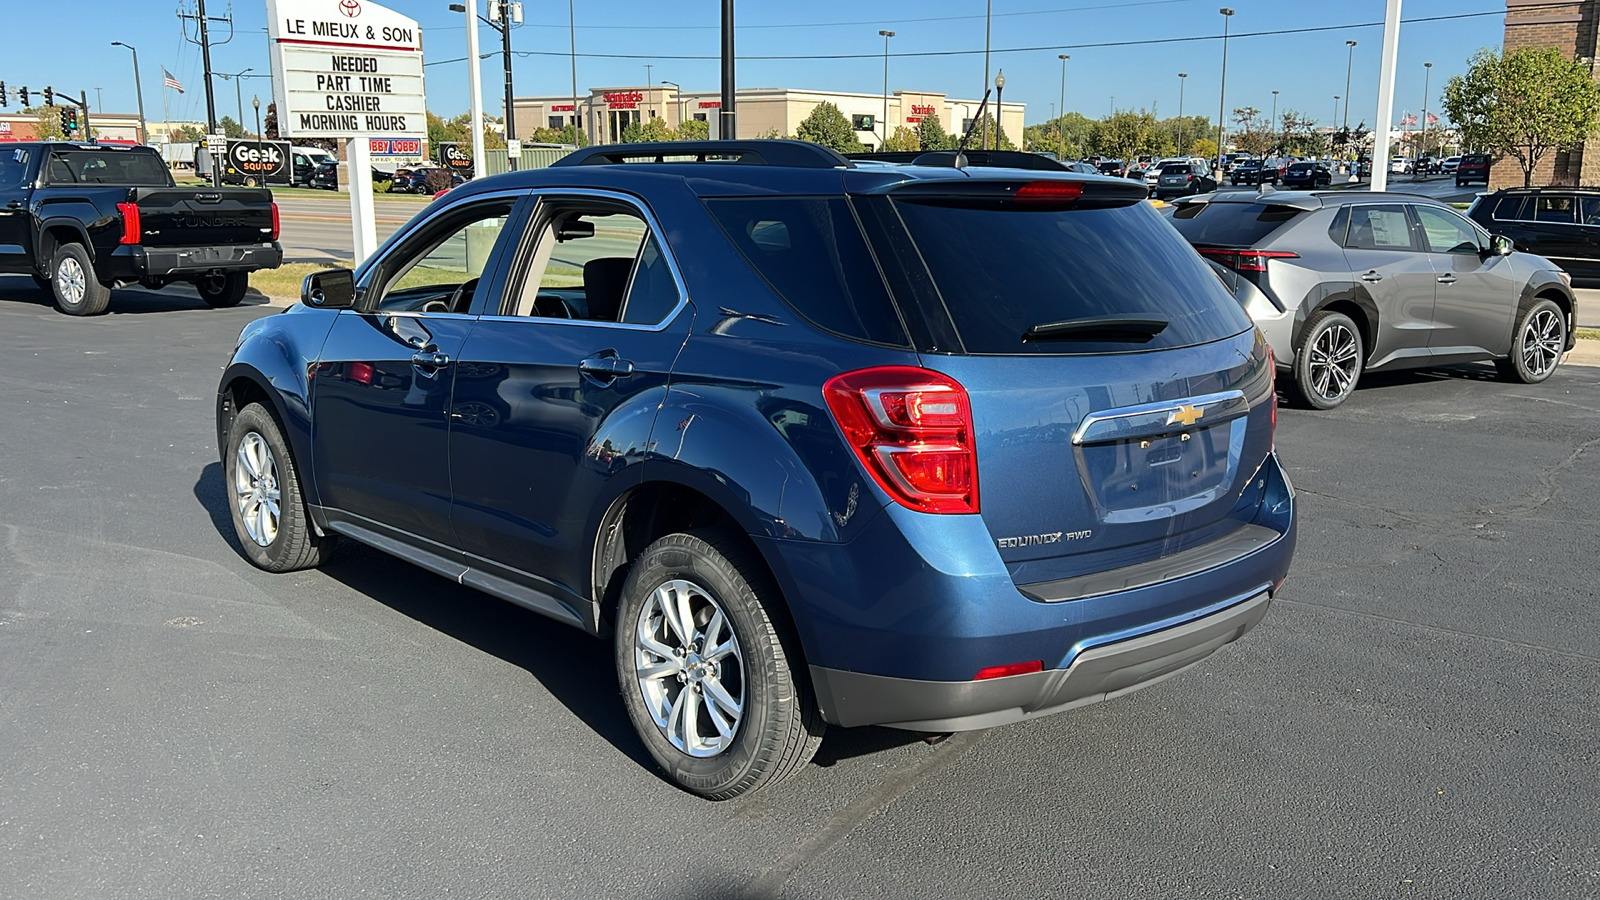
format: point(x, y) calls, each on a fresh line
point(1292, 199)
point(1000, 159)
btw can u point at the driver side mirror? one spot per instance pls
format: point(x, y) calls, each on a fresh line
point(329, 289)
point(1500, 245)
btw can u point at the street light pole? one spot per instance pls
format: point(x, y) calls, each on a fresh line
point(1350, 65)
point(572, 39)
point(474, 82)
point(886, 35)
point(1061, 131)
point(999, 107)
point(1273, 123)
point(1183, 79)
point(138, 91)
point(1427, 75)
point(727, 121)
point(1222, 93)
point(238, 97)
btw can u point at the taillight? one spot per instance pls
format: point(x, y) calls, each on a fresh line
point(1021, 668)
point(130, 223)
point(1049, 192)
point(911, 429)
point(1247, 260)
point(275, 229)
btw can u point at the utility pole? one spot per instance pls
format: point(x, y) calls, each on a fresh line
point(726, 120)
point(204, 21)
point(506, 8)
point(1222, 94)
point(988, 23)
point(572, 37)
point(1061, 130)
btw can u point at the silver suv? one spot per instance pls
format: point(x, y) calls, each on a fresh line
point(1343, 283)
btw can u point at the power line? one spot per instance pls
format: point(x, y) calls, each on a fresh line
point(1050, 47)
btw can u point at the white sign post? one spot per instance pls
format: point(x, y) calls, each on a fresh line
point(348, 70)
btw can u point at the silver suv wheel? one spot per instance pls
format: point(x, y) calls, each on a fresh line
point(689, 668)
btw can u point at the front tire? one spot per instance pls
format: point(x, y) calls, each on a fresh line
point(710, 670)
point(1536, 345)
point(265, 498)
point(223, 291)
point(1328, 362)
point(78, 292)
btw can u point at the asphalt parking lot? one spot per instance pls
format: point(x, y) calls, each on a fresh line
point(1415, 718)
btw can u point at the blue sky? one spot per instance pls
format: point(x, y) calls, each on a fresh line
point(1308, 69)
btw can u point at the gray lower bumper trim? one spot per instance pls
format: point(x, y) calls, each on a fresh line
point(1100, 673)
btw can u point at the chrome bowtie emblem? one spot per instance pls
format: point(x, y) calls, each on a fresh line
point(1187, 415)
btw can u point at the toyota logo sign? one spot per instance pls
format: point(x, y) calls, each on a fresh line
point(350, 8)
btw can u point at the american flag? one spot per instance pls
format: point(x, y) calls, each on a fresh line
point(1410, 119)
point(1433, 119)
point(168, 81)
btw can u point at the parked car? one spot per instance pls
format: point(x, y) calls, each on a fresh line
point(1370, 282)
point(1111, 167)
point(1251, 171)
point(84, 218)
point(1399, 165)
point(760, 426)
point(1450, 164)
point(1307, 175)
point(1153, 174)
point(314, 167)
point(1183, 179)
point(1560, 224)
point(1473, 167)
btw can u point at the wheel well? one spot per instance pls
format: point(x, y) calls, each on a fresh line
point(242, 392)
point(1357, 315)
point(1560, 300)
point(650, 511)
point(52, 238)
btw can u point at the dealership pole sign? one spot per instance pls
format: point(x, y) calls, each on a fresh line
point(344, 69)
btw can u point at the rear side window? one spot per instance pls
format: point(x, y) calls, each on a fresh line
point(1509, 208)
point(1379, 228)
point(1589, 211)
point(812, 252)
point(1553, 208)
point(1230, 224)
point(1003, 271)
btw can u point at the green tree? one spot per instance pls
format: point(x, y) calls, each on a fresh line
point(649, 130)
point(903, 139)
point(1254, 134)
point(231, 128)
point(772, 134)
point(931, 135)
point(694, 130)
point(984, 125)
point(47, 124)
point(183, 134)
point(1126, 135)
point(1298, 134)
point(827, 126)
point(1526, 104)
point(1204, 147)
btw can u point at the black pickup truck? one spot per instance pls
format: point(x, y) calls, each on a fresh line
point(84, 218)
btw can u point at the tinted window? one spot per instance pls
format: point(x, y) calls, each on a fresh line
point(1379, 228)
point(1003, 271)
point(1509, 207)
point(1476, 160)
point(1589, 211)
point(1445, 231)
point(1301, 167)
point(1230, 224)
point(653, 293)
point(1553, 208)
point(1175, 168)
point(13, 167)
point(107, 167)
point(812, 253)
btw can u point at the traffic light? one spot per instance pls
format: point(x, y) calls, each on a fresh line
point(22, 94)
point(4, 100)
point(69, 121)
point(49, 96)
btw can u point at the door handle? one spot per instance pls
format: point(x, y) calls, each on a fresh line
point(430, 359)
point(15, 204)
point(605, 368)
point(1372, 276)
point(1447, 279)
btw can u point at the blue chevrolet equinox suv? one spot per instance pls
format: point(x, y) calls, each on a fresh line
point(812, 440)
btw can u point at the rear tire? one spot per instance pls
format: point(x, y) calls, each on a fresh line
point(78, 292)
point(723, 723)
point(1327, 362)
point(223, 291)
point(1536, 345)
point(265, 499)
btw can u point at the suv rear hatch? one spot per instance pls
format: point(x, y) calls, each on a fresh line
point(1120, 399)
point(200, 217)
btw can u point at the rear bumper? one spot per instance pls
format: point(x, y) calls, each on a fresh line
point(136, 262)
point(1099, 673)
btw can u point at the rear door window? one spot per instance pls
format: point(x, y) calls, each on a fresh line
point(1384, 227)
point(1509, 208)
point(1002, 271)
point(811, 251)
point(1554, 208)
point(1589, 210)
point(1230, 224)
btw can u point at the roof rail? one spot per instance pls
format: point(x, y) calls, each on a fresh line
point(765, 152)
point(1005, 159)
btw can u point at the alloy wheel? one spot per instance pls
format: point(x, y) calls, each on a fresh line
point(69, 275)
point(256, 490)
point(1543, 340)
point(689, 668)
point(1334, 362)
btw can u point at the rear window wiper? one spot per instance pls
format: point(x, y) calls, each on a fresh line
point(1109, 329)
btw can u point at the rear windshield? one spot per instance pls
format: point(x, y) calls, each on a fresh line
point(1177, 168)
point(1475, 159)
point(1230, 224)
point(107, 167)
point(1302, 167)
point(1003, 271)
point(812, 253)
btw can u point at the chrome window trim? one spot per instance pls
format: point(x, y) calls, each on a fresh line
point(543, 195)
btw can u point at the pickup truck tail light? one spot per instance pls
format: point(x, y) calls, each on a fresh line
point(274, 223)
point(131, 231)
point(911, 429)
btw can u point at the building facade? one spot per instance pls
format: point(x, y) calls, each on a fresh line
point(605, 113)
point(1573, 28)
